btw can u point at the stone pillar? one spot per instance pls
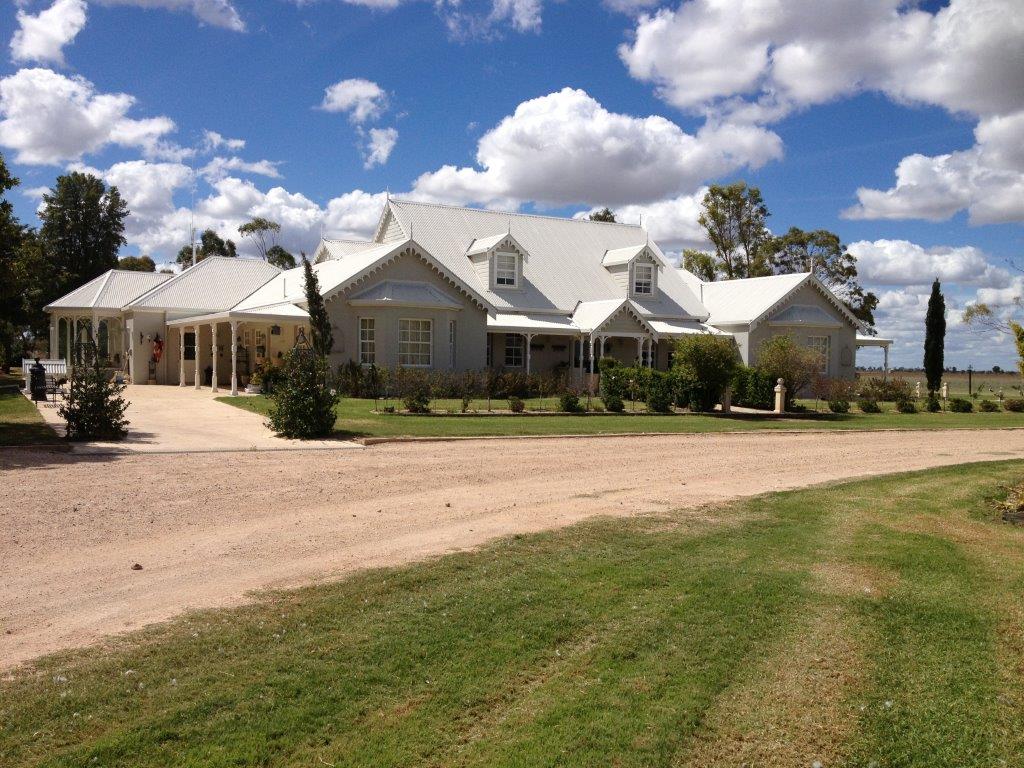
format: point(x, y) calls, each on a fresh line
point(234, 358)
point(213, 355)
point(181, 356)
point(780, 397)
point(198, 375)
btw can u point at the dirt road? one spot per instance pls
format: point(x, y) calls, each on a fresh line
point(208, 528)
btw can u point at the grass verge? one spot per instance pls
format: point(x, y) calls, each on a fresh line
point(356, 418)
point(668, 640)
point(21, 424)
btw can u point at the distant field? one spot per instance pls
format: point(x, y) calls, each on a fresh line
point(985, 384)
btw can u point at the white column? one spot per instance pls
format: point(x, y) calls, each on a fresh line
point(640, 350)
point(54, 339)
point(885, 363)
point(234, 358)
point(213, 354)
point(181, 356)
point(197, 377)
point(67, 341)
point(96, 332)
point(582, 341)
point(529, 338)
point(650, 352)
point(591, 354)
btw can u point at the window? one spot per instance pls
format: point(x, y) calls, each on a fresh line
point(451, 344)
point(415, 342)
point(506, 269)
point(260, 337)
point(190, 346)
point(821, 345)
point(515, 350)
point(643, 278)
point(367, 341)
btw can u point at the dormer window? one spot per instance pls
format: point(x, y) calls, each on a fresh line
point(643, 278)
point(506, 270)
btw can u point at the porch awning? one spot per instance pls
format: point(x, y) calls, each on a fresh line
point(283, 312)
point(873, 341)
point(556, 325)
point(676, 328)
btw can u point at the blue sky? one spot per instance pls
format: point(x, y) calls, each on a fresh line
point(550, 106)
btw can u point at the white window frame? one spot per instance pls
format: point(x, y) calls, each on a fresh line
point(648, 281)
point(405, 353)
point(515, 342)
point(367, 333)
point(823, 346)
point(502, 271)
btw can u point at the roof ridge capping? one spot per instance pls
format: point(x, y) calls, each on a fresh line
point(523, 214)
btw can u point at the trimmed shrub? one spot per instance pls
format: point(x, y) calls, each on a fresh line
point(516, 404)
point(303, 403)
point(569, 401)
point(413, 387)
point(839, 406)
point(868, 405)
point(906, 406)
point(960, 405)
point(614, 383)
point(891, 390)
point(752, 388)
point(780, 357)
point(659, 393)
point(93, 408)
point(710, 362)
point(933, 405)
point(988, 406)
point(1014, 404)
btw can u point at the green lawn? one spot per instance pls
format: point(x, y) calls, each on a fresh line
point(356, 418)
point(871, 623)
point(21, 424)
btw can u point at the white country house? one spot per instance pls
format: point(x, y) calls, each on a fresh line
point(453, 288)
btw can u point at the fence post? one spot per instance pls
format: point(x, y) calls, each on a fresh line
point(780, 397)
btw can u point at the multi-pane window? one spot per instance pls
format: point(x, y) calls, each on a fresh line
point(415, 341)
point(515, 350)
point(367, 341)
point(190, 346)
point(506, 268)
point(643, 278)
point(821, 345)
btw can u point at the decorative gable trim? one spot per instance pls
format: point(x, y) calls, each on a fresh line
point(809, 278)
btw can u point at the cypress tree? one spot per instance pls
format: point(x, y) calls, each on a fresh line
point(935, 338)
point(321, 339)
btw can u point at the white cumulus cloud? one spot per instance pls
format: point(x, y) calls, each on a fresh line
point(901, 262)
point(362, 100)
point(47, 118)
point(42, 37)
point(379, 144)
point(565, 148)
point(216, 13)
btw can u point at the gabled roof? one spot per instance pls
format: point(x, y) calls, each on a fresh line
point(750, 300)
point(488, 244)
point(336, 275)
point(619, 256)
point(214, 284)
point(404, 293)
point(111, 290)
point(592, 315)
point(564, 267)
point(336, 249)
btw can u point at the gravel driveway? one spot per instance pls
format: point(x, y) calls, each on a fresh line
point(208, 528)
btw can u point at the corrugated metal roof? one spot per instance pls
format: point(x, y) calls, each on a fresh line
point(111, 290)
point(214, 284)
point(563, 266)
point(335, 249)
point(684, 328)
point(744, 301)
point(503, 321)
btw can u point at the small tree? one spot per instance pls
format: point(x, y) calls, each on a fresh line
point(780, 357)
point(93, 408)
point(319, 321)
point(935, 338)
point(280, 258)
point(709, 363)
point(263, 234)
point(303, 403)
point(605, 214)
point(136, 264)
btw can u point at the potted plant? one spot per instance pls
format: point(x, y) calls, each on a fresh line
point(255, 385)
